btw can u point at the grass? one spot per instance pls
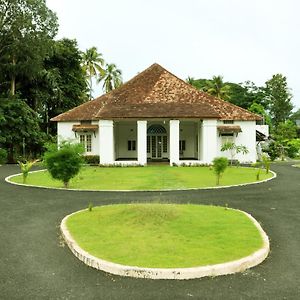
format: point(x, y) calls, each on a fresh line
point(165, 235)
point(146, 178)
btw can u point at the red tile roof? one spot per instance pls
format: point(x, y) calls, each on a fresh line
point(156, 93)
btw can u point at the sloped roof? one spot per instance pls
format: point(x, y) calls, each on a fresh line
point(156, 93)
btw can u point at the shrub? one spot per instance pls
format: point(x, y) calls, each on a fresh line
point(26, 167)
point(65, 162)
point(293, 148)
point(92, 159)
point(273, 150)
point(266, 162)
point(219, 165)
point(3, 156)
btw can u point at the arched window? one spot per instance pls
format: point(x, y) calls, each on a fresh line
point(156, 129)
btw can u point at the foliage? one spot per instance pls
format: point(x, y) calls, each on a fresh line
point(279, 97)
point(65, 162)
point(292, 148)
point(112, 78)
point(266, 162)
point(92, 159)
point(260, 110)
point(3, 156)
point(27, 28)
point(92, 65)
point(273, 150)
point(285, 131)
point(219, 165)
point(20, 126)
point(234, 150)
point(26, 167)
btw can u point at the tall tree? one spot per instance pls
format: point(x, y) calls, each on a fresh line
point(60, 86)
point(92, 64)
point(112, 78)
point(218, 88)
point(279, 97)
point(27, 28)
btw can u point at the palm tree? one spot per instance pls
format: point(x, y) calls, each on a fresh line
point(92, 65)
point(216, 87)
point(112, 78)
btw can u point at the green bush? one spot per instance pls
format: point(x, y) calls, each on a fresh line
point(266, 162)
point(26, 167)
point(3, 156)
point(219, 165)
point(292, 148)
point(91, 159)
point(65, 162)
point(273, 150)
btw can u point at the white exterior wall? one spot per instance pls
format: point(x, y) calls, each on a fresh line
point(142, 142)
point(106, 142)
point(208, 141)
point(263, 129)
point(64, 132)
point(246, 138)
point(174, 142)
point(125, 131)
point(188, 134)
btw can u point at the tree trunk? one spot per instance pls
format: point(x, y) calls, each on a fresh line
point(66, 184)
point(13, 78)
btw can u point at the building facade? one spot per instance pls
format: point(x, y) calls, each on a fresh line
point(158, 117)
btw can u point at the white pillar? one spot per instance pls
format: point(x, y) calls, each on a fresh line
point(142, 142)
point(106, 142)
point(174, 142)
point(209, 141)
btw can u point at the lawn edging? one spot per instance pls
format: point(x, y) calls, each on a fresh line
point(7, 179)
point(231, 267)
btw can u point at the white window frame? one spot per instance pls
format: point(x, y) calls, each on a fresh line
point(86, 139)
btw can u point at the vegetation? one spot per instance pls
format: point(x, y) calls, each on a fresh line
point(26, 167)
point(234, 150)
point(219, 165)
point(3, 156)
point(112, 78)
point(92, 64)
point(146, 178)
point(183, 235)
point(64, 162)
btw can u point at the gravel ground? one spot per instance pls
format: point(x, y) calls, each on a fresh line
point(35, 264)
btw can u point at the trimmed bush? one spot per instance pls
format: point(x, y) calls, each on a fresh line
point(65, 162)
point(3, 156)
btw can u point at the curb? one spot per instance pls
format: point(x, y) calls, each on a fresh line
point(169, 273)
point(7, 179)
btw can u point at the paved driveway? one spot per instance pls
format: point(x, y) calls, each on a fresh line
point(34, 264)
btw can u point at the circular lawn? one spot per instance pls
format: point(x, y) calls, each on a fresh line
point(165, 235)
point(147, 178)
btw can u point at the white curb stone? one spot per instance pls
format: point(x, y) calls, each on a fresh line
point(169, 273)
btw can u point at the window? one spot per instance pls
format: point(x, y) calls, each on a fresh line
point(148, 144)
point(228, 122)
point(165, 144)
point(131, 145)
point(181, 146)
point(86, 141)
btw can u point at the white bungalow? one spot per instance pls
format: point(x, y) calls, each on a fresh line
point(158, 117)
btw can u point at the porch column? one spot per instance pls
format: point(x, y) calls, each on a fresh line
point(209, 141)
point(174, 142)
point(142, 142)
point(106, 142)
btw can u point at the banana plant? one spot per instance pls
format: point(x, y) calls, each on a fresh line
point(26, 167)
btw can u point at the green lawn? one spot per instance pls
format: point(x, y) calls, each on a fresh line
point(147, 178)
point(165, 235)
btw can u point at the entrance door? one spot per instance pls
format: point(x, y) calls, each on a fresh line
point(158, 146)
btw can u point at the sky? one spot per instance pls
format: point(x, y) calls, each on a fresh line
point(238, 39)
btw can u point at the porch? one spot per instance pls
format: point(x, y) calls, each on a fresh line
point(171, 141)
